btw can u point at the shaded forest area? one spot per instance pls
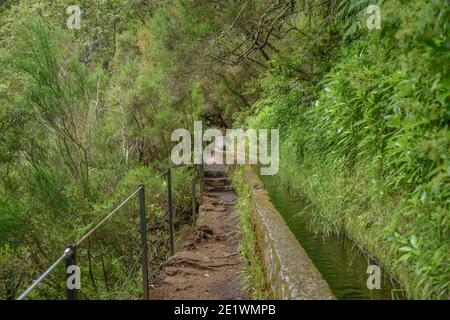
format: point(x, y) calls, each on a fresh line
point(87, 114)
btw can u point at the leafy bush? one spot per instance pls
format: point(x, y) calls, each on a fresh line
point(369, 143)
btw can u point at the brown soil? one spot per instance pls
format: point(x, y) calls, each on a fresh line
point(206, 264)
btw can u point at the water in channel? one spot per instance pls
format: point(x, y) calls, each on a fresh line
point(339, 261)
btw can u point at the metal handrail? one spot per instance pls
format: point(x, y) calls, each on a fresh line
point(68, 251)
point(107, 217)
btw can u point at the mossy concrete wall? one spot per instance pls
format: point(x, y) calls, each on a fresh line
point(290, 273)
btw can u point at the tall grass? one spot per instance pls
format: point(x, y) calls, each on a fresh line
point(252, 275)
point(369, 143)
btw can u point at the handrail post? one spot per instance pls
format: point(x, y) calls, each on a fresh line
point(70, 261)
point(144, 259)
point(202, 167)
point(194, 201)
point(169, 199)
point(202, 177)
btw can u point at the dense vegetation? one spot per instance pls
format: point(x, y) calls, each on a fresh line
point(84, 119)
point(367, 137)
point(86, 115)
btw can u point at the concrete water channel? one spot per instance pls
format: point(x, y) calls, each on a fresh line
point(342, 264)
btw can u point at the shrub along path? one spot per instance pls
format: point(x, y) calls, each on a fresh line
point(206, 264)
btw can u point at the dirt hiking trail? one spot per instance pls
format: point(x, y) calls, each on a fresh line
point(206, 263)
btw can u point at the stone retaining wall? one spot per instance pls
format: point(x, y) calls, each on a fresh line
point(289, 272)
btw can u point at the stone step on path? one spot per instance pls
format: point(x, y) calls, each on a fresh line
point(206, 264)
point(218, 188)
point(216, 181)
point(215, 173)
point(217, 184)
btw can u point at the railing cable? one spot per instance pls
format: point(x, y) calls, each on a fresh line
point(66, 253)
point(69, 251)
point(107, 217)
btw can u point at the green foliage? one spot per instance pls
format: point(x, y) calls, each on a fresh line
point(83, 122)
point(374, 134)
point(11, 221)
point(86, 116)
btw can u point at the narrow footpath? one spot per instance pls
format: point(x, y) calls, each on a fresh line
point(206, 264)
